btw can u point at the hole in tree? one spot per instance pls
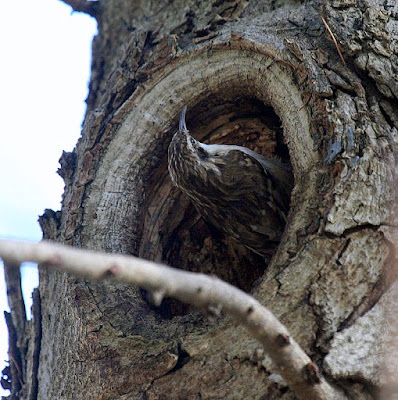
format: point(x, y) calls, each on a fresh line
point(172, 230)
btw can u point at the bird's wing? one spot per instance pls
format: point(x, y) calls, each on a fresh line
point(252, 181)
point(279, 173)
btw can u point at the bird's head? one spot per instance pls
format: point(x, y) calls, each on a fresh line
point(183, 143)
point(185, 152)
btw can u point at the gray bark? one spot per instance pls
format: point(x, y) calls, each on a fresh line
point(245, 69)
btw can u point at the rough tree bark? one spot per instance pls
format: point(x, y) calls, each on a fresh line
point(264, 74)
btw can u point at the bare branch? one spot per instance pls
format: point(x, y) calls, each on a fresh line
point(88, 7)
point(296, 368)
point(12, 276)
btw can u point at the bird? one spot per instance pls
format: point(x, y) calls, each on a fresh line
point(242, 193)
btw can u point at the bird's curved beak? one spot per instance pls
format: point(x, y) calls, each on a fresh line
point(183, 126)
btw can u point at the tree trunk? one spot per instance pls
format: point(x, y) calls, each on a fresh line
point(268, 76)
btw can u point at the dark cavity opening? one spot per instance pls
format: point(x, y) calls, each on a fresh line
point(172, 230)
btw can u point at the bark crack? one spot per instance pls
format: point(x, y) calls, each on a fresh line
point(354, 229)
point(96, 303)
point(182, 359)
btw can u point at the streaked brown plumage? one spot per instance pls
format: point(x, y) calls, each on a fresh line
point(242, 193)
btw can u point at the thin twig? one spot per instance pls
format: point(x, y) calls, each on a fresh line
point(296, 368)
point(334, 40)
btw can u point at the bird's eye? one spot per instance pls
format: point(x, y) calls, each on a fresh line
point(202, 153)
point(192, 140)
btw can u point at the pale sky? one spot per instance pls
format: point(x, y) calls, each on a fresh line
point(44, 70)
